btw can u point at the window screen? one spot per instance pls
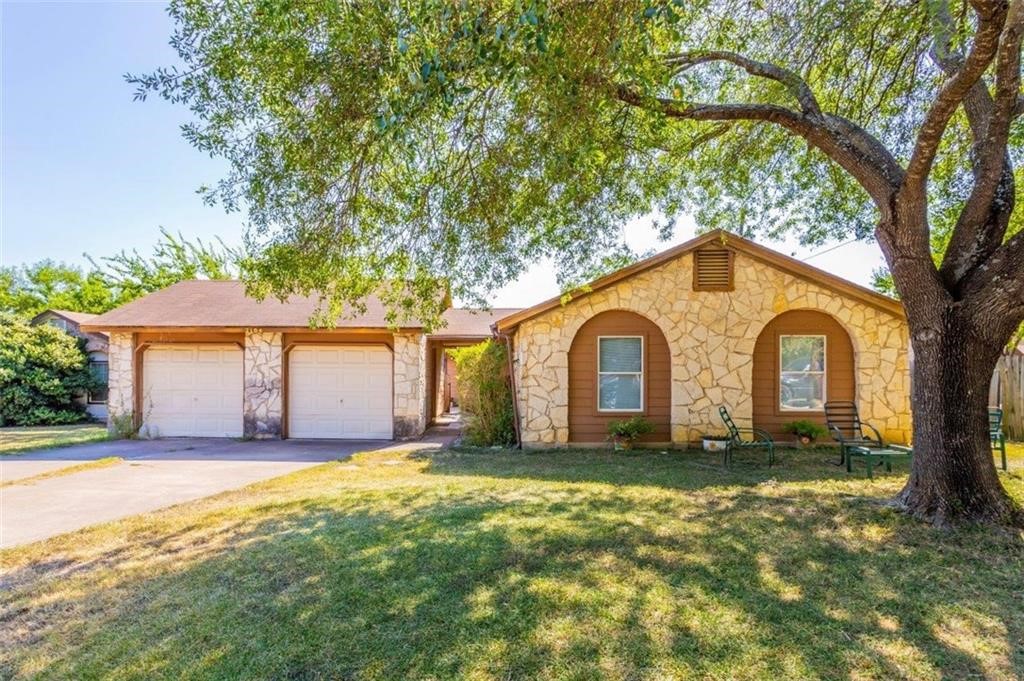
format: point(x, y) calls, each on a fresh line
point(620, 373)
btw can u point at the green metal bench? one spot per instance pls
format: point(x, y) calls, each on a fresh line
point(995, 432)
point(876, 455)
point(844, 424)
point(759, 439)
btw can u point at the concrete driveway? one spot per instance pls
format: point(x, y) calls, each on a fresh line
point(154, 474)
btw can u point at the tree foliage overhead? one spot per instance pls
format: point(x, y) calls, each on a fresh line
point(400, 141)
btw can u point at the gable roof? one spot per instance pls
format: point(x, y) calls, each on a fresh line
point(734, 242)
point(76, 318)
point(70, 315)
point(219, 304)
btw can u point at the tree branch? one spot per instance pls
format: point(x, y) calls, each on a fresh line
point(794, 84)
point(996, 288)
point(850, 146)
point(983, 51)
point(983, 221)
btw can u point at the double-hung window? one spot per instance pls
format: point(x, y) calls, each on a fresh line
point(802, 373)
point(620, 373)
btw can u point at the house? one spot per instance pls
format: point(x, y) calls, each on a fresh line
point(716, 321)
point(95, 347)
point(200, 358)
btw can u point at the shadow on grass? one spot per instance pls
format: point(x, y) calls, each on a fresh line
point(506, 580)
point(689, 469)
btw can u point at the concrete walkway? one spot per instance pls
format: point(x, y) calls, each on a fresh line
point(154, 474)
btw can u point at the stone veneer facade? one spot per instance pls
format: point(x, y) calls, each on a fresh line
point(711, 338)
point(120, 379)
point(410, 384)
point(261, 402)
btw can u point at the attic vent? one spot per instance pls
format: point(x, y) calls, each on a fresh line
point(712, 270)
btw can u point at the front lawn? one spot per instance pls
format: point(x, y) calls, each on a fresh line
point(503, 565)
point(17, 440)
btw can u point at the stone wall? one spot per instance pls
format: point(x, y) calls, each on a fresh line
point(261, 403)
point(120, 391)
point(410, 384)
point(711, 336)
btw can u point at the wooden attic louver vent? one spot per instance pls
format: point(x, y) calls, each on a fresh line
point(712, 270)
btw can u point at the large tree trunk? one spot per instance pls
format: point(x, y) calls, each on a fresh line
point(953, 476)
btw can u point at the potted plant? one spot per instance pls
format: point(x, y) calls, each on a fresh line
point(806, 431)
point(715, 443)
point(623, 433)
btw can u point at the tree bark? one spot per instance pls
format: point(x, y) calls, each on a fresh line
point(953, 475)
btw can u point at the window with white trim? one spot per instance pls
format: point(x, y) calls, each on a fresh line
point(620, 374)
point(802, 373)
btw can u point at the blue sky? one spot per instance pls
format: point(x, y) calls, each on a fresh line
point(84, 169)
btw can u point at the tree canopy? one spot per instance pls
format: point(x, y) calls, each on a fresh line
point(113, 280)
point(403, 141)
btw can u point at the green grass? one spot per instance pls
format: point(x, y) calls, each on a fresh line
point(18, 440)
point(1014, 455)
point(503, 565)
point(67, 470)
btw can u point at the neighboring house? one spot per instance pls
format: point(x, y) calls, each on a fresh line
point(95, 348)
point(717, 321)
point(200, 358)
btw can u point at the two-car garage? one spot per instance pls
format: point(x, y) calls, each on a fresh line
point(336, 391)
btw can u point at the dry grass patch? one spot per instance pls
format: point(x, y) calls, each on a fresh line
point(105, 462)
point(547, 565)
point(20, 440)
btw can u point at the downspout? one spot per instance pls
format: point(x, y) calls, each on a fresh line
point(512, 379)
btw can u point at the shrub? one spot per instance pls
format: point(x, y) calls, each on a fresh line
point(42, 369)
point(485, 394)
point(630, 429)
point(805, 428)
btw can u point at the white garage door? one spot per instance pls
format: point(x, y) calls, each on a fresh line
point(192, 390)
point(341, 391)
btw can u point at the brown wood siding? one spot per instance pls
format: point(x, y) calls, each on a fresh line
point(586, 423)
point(839, 369)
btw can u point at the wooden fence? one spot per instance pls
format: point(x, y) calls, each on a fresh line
point(1007, 391)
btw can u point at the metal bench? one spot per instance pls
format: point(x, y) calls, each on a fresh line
point(846, 428)
point(877, 455)
point(995, 432)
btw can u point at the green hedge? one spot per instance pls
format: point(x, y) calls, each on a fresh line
point(485, 395)
point(42, 369)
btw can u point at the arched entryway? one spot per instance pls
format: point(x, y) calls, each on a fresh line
point(802, 359)
point(619, 366)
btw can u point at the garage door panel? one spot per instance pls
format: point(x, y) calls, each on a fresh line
point(194, 391)
point(340, 392)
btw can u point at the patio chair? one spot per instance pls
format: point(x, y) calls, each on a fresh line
point(995, 432)
point(758, 439)
point(846, 428)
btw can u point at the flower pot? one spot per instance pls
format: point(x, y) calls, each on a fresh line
point(622, 443)
point(713, 444)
